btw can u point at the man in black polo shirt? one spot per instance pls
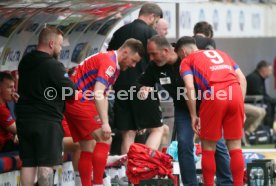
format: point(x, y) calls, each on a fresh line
point(133, 114)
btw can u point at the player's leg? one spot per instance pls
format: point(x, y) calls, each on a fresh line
point(128, 137)
point(100, 155)
point(208, 161)
point(28, 175)
point(85, 165)
point(211, 117)
point(83, 119)
point(165, 137)
point(233, 131)
point(45, 176)
point(237, 161)
point(155, 137)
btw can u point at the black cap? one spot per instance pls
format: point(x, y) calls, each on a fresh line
point(183, 41)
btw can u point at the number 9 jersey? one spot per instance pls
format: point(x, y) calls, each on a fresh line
point(210, 68)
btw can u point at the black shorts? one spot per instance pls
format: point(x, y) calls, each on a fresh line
point(40, 142)
point(137, 114)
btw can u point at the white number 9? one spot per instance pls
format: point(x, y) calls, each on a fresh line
point(214, 56)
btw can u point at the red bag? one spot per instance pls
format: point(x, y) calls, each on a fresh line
point(144, 163)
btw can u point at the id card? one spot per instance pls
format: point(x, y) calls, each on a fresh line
point(165, 80)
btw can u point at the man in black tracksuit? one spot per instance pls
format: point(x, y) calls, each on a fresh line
point(42, 79)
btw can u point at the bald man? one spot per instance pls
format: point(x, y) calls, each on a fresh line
point(162, 27)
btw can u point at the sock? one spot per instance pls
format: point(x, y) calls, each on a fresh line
point(85, 168)
point(99, 161)
point(237, 166)
point(77, 179)
point(208, 167)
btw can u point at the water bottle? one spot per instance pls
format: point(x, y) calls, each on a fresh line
point(269, 176)
point(60, 176)
point(252, 176)
point(260, 177)
point(200, 180)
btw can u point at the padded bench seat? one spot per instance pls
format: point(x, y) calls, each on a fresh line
point(10, 161)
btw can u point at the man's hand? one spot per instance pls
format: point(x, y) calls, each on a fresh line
point(196, 124)
point(141, 131)
point(15, 97)
point(15, 139)
point(144, 92)
point(106, 132)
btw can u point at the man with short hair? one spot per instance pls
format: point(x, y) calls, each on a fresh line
point(88, 117)
point(218, 77)
point(132, 115)
point(162, 27)
point(256, 86)
point(8, 138)
point(203, 35)
point(203, 28)
point(40, 107)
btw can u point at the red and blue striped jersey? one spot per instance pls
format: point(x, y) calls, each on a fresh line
point(102, 67)
point(6, 120)
point(210, 68)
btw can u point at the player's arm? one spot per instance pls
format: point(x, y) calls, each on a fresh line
point(191, 99)
point(191, 102)
point(102, 108)
point(188, 78)
point(101, 101)
point(12, 128)
point(242, 81)
point(7, 122)
point(240, 76)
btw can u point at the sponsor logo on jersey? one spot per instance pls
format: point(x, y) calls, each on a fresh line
point(110, 71)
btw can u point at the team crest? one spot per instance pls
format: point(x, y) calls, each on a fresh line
point(110, 71)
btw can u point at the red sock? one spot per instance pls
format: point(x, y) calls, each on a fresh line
point(99, 161)
point(85, 168)
point(237, 166)
point(208, 167)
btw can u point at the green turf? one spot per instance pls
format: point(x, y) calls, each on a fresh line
point(264, 146)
